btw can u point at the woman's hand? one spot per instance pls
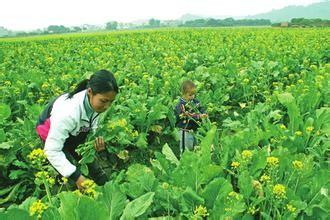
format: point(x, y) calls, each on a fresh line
point(79, 182)
point(99, 144)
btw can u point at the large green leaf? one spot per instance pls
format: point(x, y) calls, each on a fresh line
point(138, 206)
point(5, 111)
point(75, 206)
point(245, 184)
point(69, 202)
point(114, 199)
point(294, 113)
point(142, 141)
point(139, 180)
point(212, 190)
point(15, 213)
point(167, 151)
point(189, 200)
point(11, 196)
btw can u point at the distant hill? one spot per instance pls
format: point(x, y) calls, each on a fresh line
point(316, 10)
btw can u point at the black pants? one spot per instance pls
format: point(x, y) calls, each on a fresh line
point(96, 172)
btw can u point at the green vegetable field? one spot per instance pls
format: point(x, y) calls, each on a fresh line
point(263, 152)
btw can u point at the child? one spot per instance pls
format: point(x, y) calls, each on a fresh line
point(66, 122)
point(188, 114)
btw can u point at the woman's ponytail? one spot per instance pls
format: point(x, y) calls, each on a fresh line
point(100, 82)
point(80, 87)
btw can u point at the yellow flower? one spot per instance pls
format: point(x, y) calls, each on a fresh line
point(298, 165)
point(37, 208)
point(135, 133)
point(124, 155)
point(122, 122)
point(51, 181)
point(89, 188)
point(272, 161)
point(45, 85)
point(279, 191)
point(246, 154)
point(118, 123)
point(42, 175)
point(165, 185)
point(77, 192)
point(256, 184)
point(227, 209)
point(282, 126)
point(264, 178)
point(252, 210)
point(234, 195)
point(37, 156)
point(41, 100)
point(298, 133)
point(235, 164)
point(200, 211)
point(246, 81)
point(309, 129)
point(291, 208)
point(64, 180)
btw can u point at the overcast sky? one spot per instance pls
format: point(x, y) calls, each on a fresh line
point(33, 14)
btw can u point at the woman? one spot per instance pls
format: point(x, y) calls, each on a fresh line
point(66, 122)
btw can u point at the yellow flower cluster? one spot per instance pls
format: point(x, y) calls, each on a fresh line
point(309, 129)
point(298, 133)
point(37, 208)
point(37, 156)
point(279, 191)
point(64, 180)
point(228, 209)
point(124, 155)
point(235, 164)
point(43, 175)
point(135, 133)
point(165, 185)
point(264, 178)
point(246, 81)
point(118, 123)
point(200, 211)
point(234, 195)
point(272, 161)
point(252, 210)
point(246, 154)
point(282, 126)
point(291, 208)
point(89, 188)
point(298, 165)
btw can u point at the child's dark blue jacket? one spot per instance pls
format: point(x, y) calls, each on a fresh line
point(187, 113)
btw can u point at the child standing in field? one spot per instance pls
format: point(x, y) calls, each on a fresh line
point(188, 114)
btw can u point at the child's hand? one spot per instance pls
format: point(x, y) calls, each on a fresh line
point(99, 144)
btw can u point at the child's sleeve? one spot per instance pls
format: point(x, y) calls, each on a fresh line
point(178, 111)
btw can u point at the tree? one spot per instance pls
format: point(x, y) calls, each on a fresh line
point(154, 22)
point(58, 29)
point(112, 25)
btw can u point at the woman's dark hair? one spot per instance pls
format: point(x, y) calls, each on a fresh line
point(100, 82)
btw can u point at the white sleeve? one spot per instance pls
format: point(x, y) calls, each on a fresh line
point(95, 124)
point(60, 127)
